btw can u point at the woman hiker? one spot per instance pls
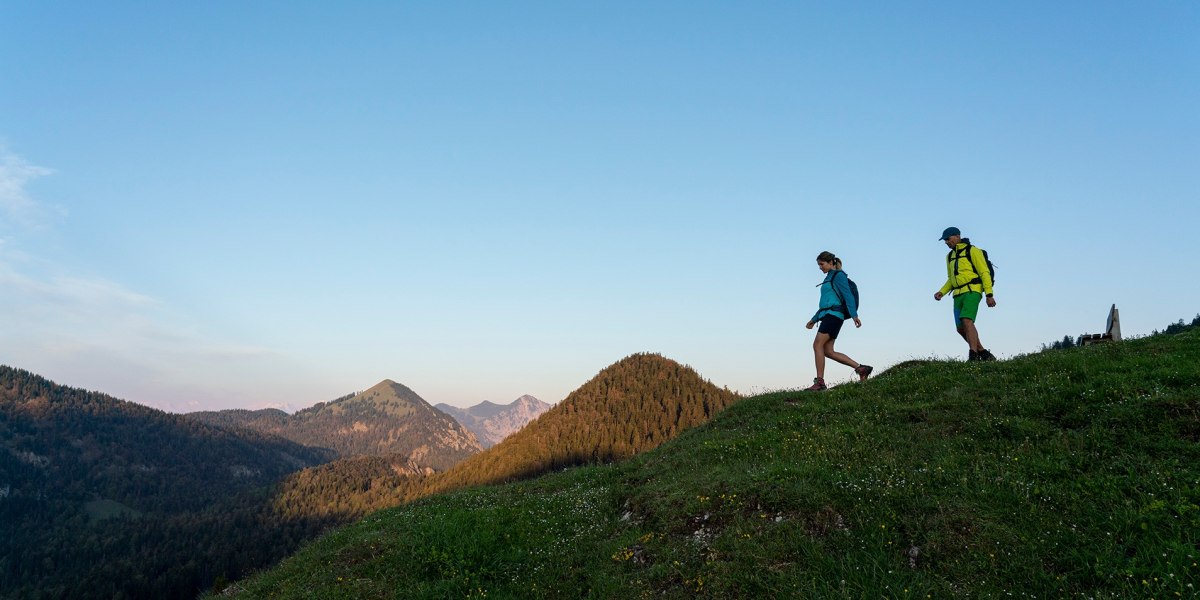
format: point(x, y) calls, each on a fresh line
point(837, 305)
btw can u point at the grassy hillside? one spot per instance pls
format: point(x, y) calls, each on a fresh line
point(1071, 473)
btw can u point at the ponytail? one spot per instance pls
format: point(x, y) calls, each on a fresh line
point(830, 258)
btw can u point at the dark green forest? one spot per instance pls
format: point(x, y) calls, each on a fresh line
point(102, 498)
point(347, 489)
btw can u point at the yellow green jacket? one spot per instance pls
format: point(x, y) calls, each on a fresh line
point(970, 268)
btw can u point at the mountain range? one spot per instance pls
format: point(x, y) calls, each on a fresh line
point(387, 420)
point(102, 498)
point(491, 422)
point(630, 406)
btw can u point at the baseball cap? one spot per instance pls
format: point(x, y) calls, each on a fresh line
point(950, 231)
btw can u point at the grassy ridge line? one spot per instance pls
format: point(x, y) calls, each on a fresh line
point(1061, 474)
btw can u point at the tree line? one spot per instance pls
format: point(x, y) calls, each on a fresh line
point(193, 501)
point(1073, 342)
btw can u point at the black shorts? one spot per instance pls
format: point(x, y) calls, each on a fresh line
point(831, 324)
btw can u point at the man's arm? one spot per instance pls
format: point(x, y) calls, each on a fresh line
point(949, 285)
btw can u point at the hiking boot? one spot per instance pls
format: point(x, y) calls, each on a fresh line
point(986, 355)
point(973, 356)
point(863, 371)
point(818, 385)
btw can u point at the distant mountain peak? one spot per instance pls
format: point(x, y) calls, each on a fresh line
point(389, 386)
point(388, 383)
point(491, 422)
point(385, 419)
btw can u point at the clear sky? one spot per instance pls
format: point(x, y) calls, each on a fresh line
point(246, 204)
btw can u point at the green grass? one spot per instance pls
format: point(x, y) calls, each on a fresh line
point(1071, 473)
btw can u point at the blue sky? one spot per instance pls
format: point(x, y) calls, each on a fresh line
point(231, 204)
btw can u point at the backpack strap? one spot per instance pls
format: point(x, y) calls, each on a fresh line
point(956, 256)
point(842, 307)
point(841, 301)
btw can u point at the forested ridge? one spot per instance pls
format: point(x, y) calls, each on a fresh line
point(632, 406)
point(629, 407)
point(102, 498)
point(348, 488)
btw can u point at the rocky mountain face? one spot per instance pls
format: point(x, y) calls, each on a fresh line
point(388, 419)
point(491, 422)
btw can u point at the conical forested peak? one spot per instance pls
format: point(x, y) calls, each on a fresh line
point(631, 406)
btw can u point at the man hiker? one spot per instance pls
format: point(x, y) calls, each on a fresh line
point(970, 278)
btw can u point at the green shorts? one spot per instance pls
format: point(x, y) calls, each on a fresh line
point(966, 306)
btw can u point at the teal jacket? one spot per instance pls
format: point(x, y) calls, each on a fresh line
point(830, 304)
